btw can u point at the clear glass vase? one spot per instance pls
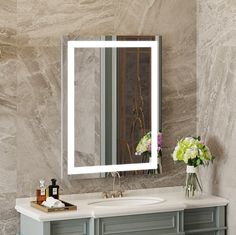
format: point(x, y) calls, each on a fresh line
point(146, 158)
point(193, 187)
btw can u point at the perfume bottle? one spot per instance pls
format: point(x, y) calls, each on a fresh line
point(53, 189)
point(41, 192)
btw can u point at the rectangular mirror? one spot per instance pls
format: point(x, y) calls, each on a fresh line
point(111, 99)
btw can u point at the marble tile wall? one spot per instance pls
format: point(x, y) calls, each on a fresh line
point(30, 69)
point(8, 113)
point(216, 89)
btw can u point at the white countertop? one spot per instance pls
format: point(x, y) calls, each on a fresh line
point(174, 200)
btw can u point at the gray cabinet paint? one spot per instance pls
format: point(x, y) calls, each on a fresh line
point(30, 226)
point(70, 227)
point(158, 223)
point(211, 220)
point(63, 227)
point(202, 221)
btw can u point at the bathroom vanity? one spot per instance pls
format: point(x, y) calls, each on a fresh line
point(140, 212)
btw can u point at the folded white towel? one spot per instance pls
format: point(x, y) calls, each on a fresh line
point(53, 203)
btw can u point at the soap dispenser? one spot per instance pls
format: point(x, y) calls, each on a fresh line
point(41, 192)
point(53, 189)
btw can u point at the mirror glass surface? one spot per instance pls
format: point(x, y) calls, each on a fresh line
point(111, 99)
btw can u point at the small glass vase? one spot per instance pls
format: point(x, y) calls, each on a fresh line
point(193, 187)
point(158, 170)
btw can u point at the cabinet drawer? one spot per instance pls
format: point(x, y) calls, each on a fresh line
point(146, 224)
point(70, 227)
point(200, 218)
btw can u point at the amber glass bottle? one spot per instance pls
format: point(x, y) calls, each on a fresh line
point(41, 192)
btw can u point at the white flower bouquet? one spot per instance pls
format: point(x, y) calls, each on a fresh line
point(193, 152)
point(145, 145)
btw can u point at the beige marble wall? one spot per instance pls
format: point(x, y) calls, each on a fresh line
point(216, 99)
point(30, 37)
point(8, 113)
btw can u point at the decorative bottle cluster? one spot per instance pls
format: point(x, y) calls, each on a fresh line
point(42, 193)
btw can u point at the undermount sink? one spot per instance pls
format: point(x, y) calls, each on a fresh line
point(126, 202)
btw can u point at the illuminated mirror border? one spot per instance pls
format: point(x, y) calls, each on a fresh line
point(155, 100)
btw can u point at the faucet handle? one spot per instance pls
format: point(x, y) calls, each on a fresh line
point(120, 193)
point(113, 194)
point(105, 194)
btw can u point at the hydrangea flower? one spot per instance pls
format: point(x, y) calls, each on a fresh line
point(192, 151)
point(145, 144)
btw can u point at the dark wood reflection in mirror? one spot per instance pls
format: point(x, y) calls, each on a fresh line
point(134, 99)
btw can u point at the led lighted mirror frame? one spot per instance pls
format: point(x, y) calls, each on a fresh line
point(155, 73)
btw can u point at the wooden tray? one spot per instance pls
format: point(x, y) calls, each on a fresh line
point(68, 207)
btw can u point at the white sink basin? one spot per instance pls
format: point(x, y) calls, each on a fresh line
point(126, 202)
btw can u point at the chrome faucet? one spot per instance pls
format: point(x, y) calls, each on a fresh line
point(114, 193)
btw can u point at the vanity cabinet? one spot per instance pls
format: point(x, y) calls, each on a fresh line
point(29, 226)
point(70, 227)
point(146, 224)
point(199, 221)
point(204, 221)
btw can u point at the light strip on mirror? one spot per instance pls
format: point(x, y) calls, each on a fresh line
point(103, 105)
point(70, 108)
point(71, 45)
point(114, 104)
point(154, 102)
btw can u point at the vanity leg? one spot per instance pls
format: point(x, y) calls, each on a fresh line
point(96, 227)
point(30, 226)
point(91, 226)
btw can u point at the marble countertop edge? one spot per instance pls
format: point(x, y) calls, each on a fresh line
point(174, 200)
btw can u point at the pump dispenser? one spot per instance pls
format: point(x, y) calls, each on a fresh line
point(53, 189)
